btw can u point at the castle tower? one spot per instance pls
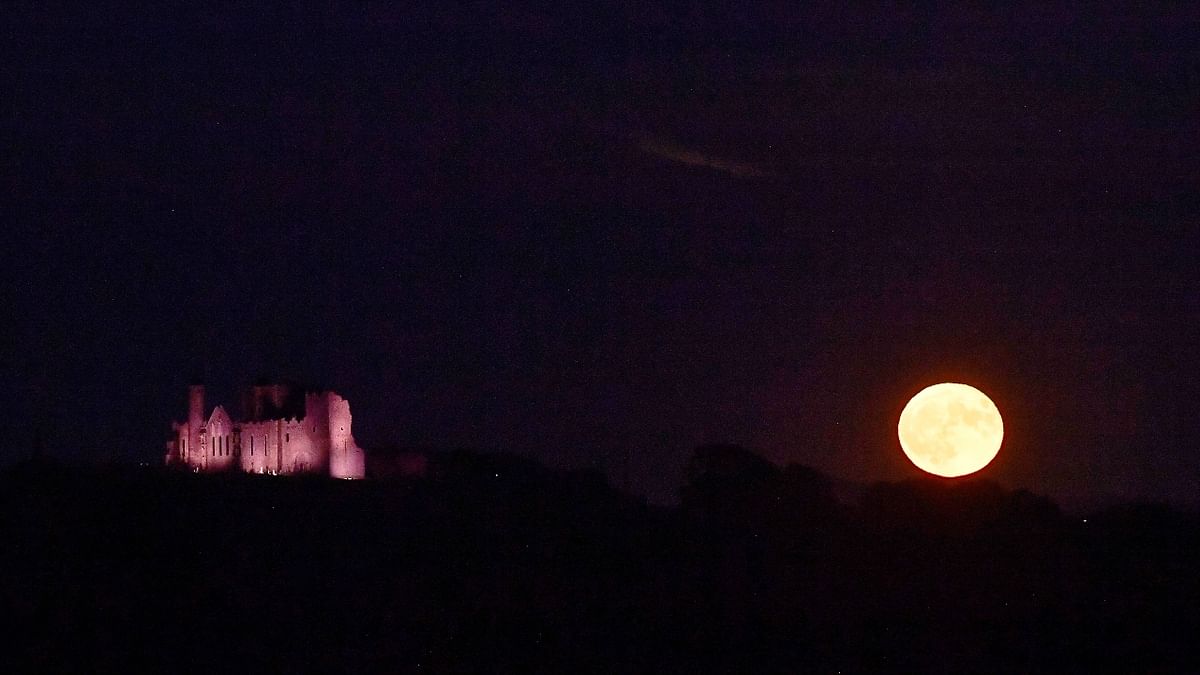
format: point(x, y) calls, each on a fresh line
point(345, 457)
point(195, 421)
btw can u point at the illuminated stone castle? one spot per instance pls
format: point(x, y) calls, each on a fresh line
point(284, 430)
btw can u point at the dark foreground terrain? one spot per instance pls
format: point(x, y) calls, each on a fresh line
point(494, 564)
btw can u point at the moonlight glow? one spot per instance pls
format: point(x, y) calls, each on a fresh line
point(950, 430)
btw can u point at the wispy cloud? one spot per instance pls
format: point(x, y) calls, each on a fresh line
point(691, 157)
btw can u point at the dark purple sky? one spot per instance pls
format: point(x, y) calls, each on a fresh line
point(615, 232)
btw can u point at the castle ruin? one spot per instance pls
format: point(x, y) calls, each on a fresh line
point(283, 430)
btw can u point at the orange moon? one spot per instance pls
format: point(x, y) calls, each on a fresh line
point(950, 430)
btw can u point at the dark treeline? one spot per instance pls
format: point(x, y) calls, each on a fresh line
point(494, 563)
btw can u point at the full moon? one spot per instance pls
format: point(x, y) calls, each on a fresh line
point(950, 430)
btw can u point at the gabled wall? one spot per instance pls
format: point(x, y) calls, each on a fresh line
point(219, 441)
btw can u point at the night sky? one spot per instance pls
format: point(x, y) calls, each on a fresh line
point(603, 236)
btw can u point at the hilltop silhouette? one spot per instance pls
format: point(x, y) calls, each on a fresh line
point(496, 563)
